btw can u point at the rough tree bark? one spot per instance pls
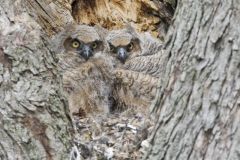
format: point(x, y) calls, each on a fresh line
point(199, 97)
point(34, 121)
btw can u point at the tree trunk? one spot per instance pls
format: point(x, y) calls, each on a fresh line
point(199, 96)
point(34, 121)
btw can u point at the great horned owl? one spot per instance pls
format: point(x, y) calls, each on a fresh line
point(85, 69)
point(136, 69)
point(136, 52)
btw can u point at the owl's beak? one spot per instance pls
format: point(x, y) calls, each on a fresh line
point(86, 52)
point(122, 54)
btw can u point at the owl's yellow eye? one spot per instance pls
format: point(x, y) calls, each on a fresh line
point(130, 46)
point(75, 44)
point(94, 45)
point(111, 49)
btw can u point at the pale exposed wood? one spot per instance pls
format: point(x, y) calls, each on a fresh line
point(141, 14)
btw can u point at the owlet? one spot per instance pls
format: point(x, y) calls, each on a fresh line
point(136, 67)
point(86, 69)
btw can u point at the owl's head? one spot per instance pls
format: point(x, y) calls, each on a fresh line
point(124, 44)
point(83, 41)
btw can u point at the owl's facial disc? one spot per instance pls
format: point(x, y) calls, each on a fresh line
point(122, 54)
point(85, 51)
